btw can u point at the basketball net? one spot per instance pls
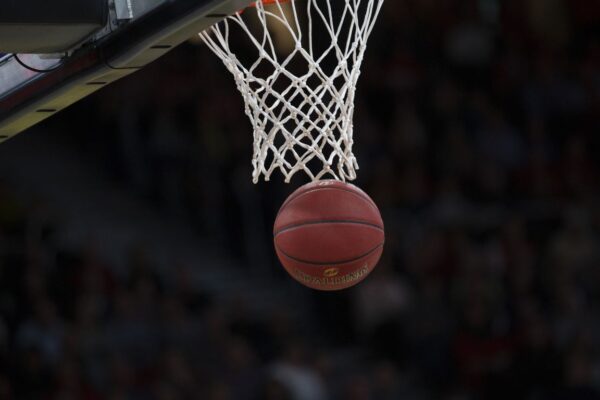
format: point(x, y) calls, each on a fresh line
point(298, 95)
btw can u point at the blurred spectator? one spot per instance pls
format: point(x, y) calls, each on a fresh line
point(295, 373)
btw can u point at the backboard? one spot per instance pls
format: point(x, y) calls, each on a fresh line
point(33, 87)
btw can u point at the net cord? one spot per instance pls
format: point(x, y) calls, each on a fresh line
point(314, 128)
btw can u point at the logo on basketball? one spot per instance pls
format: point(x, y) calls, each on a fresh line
point(335, 279)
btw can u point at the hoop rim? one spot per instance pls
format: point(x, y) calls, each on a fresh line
point(267, 2)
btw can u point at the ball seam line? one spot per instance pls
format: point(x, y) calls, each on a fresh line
point(330, 263)
point(355, 192)
point(332, 221)
point(368, 200)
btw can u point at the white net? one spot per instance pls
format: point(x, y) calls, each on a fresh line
point(299, 91)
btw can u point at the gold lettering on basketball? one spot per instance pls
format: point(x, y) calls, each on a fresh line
point(331, 272)
point(334, 279)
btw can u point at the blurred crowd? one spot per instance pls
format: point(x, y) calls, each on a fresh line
point(476, 133)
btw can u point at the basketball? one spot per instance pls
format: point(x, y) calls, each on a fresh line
point(329, 235)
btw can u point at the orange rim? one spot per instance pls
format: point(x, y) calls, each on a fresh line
point(267, 2)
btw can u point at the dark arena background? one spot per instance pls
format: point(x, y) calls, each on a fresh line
point(136, 257)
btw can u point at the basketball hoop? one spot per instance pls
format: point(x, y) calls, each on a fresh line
point(266, 2)
point(301, 100)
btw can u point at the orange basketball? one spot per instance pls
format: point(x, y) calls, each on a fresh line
point(329, 235)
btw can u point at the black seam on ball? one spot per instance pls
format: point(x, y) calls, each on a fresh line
point(288, 201)
point(321, 222)
point(329, 263)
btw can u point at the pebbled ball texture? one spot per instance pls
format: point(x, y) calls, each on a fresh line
point(329, 235)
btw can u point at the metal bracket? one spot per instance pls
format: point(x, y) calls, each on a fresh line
point(124, 9)
point(121, 48)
